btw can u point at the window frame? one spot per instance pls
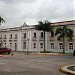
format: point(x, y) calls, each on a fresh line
point(41, 45)
point(24, 45)
point(52, 46)
point(61, 46)
point(42, 34)
point(34, 45)
point(35, 35)
point(24, 35)
point(71, 47)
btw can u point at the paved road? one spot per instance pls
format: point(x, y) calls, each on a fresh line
point(21, 64)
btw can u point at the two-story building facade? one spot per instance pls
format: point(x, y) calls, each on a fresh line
point(26, 38)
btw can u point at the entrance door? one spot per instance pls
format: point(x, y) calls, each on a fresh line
point(15, 46)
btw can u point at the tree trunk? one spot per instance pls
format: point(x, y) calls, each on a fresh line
point(63, 45)
point(44, 40)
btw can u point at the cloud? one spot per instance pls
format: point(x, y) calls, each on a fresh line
point(18, 1)
point(16, 12)
point(57, 10)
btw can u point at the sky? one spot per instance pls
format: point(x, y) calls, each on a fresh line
point(16, 12)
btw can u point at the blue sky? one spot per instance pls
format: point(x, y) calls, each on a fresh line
point(16, 12)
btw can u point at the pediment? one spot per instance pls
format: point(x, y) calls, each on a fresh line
point(24, 26)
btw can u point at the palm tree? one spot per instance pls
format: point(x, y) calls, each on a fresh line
point(1, 20)
point(45, 27)
point(64, 32)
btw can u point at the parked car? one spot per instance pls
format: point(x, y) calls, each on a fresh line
point(5, 50)
point(74, 53)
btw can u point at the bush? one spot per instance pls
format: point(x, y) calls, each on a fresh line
point(44, 51)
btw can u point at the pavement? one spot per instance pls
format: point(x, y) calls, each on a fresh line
point(33, 64)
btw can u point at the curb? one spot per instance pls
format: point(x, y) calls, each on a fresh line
point(64, 69)
point(52, 54)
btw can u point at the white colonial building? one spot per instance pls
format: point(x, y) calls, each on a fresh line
point(26, 38)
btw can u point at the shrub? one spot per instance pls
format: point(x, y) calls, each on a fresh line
point(44, 51)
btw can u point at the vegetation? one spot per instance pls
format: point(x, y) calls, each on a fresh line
point(45, 27)
point(64, 32)
point(45, 51)
point(1, 20)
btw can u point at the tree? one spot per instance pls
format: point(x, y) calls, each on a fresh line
point(45, 27)
point(1, 20)
point(64, 32)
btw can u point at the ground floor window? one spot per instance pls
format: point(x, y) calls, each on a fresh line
point(70, 45)
point(52, 45)
point(15, 46)
point(5, 44)
point(24, 45)
point(60, 45)
point(10, 45)
point(41, 45)
point(34, 45)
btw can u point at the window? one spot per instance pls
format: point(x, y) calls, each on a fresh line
point(24, 35)
point(52, 45)
point(70, 45)
point(34, 45)
point(0, 36)
point(52, 34)
point(15, 46)
point(41, 45)
point(61, 45)
point(5, 44)
point(34, 34)
point(24, 45)
point(10, 45)
point(5, 36)
point(0, 44)
point(15, 35)
point(10, 35)
point(41, 34)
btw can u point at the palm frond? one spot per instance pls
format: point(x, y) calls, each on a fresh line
point(44, 25)
point(58, 31)
point(1, 20)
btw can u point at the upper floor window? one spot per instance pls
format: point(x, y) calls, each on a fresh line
point(41, 34)
point(5, 36)
point(52, 34)
point(24, 35)
point(15, 35)
point(34, 34)
point(10, 35)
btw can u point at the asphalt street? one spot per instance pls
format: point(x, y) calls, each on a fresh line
point(22, 64)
